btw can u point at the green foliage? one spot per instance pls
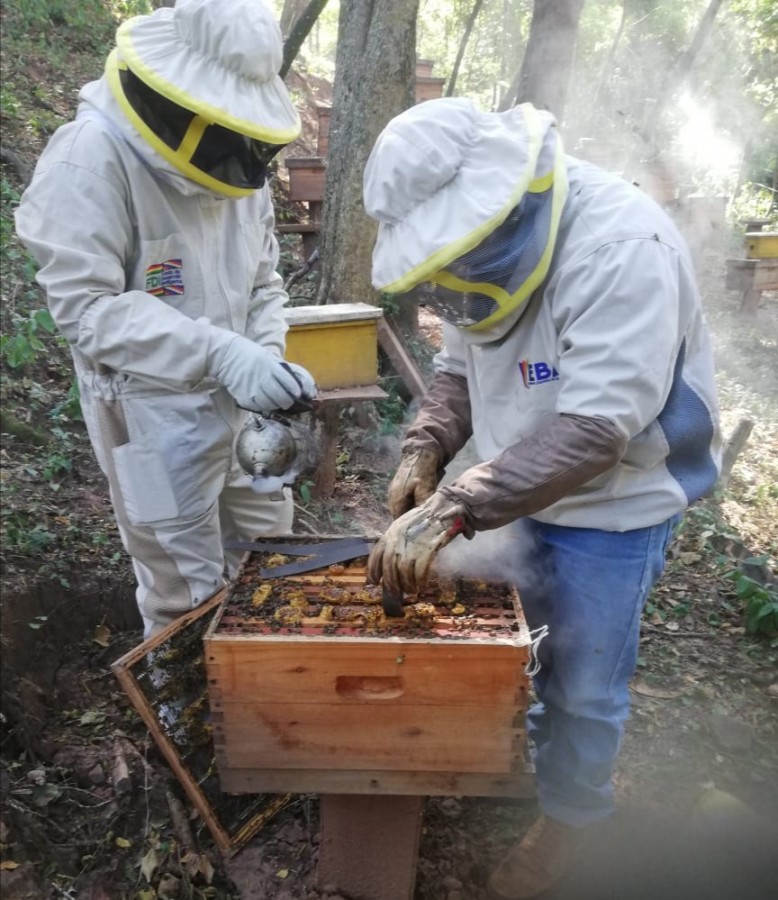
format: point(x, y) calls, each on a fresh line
point(304, 489)
point(754, 200)
point(89, 22)
point(23, 345)
point(9, 103)
point(70, 407)
point(760, 601)
point(23, 536)
point(391, 410)
point(388, 303)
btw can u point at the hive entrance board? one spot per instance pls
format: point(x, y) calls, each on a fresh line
point(313, 688)
point(165, 679)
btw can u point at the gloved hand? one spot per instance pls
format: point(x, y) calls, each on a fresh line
point(257, 379)
point(414, 481)
point(402, 557)
point(304, 377)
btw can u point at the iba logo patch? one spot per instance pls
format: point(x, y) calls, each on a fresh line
point(533, 374)
point(165, 279)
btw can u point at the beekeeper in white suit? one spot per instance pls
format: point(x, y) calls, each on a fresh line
point(576, 355)
point(151, 219)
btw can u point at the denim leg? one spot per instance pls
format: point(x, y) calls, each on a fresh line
point(588, 587)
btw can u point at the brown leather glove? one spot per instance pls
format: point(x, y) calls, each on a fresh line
point(414, 481)
point(402, 557)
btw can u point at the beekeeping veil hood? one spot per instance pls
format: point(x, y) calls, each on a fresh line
point(200, 84)
point(468, 205)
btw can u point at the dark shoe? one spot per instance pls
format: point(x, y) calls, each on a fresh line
point(537, 862)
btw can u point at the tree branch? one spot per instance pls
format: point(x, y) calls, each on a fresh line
point(300, 32)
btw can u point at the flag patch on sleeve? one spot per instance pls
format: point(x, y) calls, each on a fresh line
point(165, 279)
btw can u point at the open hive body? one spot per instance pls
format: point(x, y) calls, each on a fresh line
point(313, 688)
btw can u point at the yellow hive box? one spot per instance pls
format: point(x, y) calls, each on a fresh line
point(762, 245)
point(337, 343)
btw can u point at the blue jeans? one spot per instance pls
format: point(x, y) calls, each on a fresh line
point(588, 587)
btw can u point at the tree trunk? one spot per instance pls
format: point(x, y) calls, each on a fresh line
point(548, 59)
point(463, 46)
point(679, 73)
point(374, 81)
point(605, 72)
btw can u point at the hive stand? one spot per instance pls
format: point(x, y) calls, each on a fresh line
point(758, 271)
point(307, 178)
point(338, 344)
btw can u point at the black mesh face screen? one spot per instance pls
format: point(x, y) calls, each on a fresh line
point(166, 119)
point(225, 155)
point(461, 308)
point(233, 158)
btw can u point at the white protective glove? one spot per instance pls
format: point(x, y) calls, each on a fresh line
point(305, 380)
point(256, 378)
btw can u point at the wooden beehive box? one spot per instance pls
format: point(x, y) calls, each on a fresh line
point(307, 175)
point(429, 88)
point(313, 688)
point(336, 342)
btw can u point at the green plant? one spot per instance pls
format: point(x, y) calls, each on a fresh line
point(760, 601)
point(25, 539)
point(304, 489)
point(388, 303)
point(59, 461)
point(70, 407)
point(391, 410)
point(90, 22)
point(9, 103)
point(23, 345)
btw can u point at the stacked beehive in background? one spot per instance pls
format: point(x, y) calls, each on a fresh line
point(758, 271)
point(307, 174)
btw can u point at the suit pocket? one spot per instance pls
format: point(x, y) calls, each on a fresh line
point(144, 483)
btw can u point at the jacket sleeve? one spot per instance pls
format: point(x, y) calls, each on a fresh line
point(266, 322)
point(76, 223)
point(442, 422)
point(559, 457)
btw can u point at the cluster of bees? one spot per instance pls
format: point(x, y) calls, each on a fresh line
point(340, 597)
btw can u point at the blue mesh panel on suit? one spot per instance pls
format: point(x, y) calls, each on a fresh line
point(688, 429)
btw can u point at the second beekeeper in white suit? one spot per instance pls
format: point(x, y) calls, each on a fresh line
point(151, 219)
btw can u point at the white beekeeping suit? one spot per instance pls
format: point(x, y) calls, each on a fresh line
point(151, 219)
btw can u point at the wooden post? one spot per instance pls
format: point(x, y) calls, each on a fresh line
point(401, 360)
point(328, 415)
point(732, 449)
point(369, 845)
